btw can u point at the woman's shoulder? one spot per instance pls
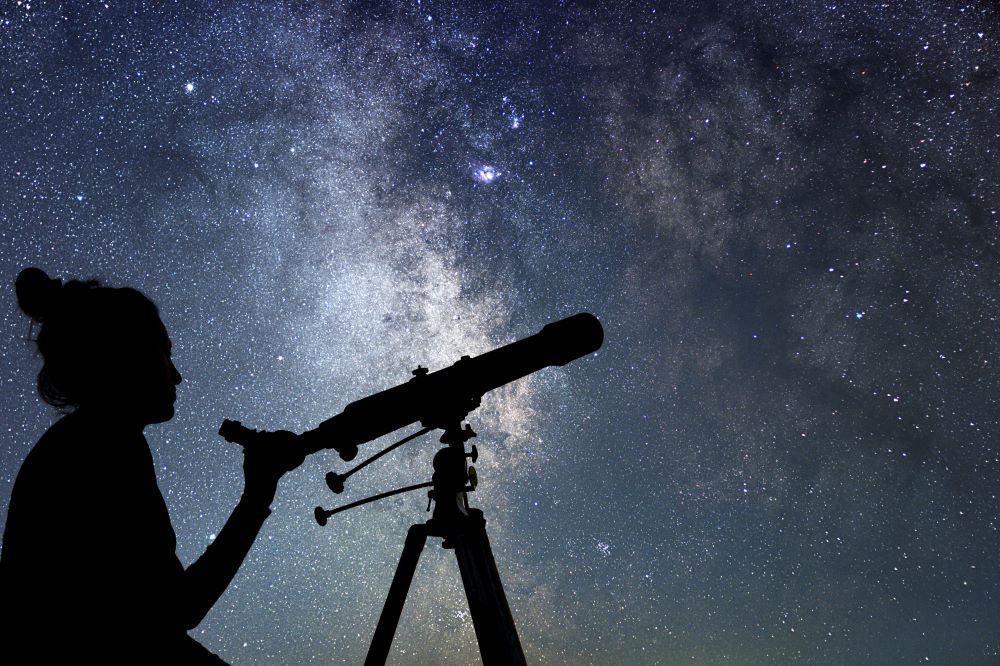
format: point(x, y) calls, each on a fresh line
point(82, 443)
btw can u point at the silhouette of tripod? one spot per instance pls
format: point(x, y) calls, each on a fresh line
point(464, 530)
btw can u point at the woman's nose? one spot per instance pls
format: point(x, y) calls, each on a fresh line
point(175, 374)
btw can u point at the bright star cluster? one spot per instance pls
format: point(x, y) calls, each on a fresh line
point(785, 215)
point(485, 174)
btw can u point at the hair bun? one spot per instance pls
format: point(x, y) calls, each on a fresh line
point(36, 292)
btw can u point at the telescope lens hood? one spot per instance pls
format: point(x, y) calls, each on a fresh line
point(568, 339)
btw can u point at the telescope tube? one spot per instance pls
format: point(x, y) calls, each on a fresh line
point(436, 399)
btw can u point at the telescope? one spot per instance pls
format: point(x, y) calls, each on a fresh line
point(442, 400)
point(437, 399)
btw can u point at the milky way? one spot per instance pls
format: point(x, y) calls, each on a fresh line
point(785, 215)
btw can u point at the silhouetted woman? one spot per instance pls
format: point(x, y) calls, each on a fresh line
point(88, 568)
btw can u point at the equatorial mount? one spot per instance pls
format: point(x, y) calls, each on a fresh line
point(462, 529)
point(451, 474)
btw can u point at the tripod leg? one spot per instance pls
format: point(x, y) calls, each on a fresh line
point(378, 652)
point(499, 644)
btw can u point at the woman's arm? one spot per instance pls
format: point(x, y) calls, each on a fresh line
point(208, 577)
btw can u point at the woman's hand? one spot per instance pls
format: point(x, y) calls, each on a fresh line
point(266, 460)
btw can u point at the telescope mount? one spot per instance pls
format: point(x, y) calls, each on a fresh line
point(463, 529)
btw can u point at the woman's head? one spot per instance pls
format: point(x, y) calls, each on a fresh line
point(100, 346)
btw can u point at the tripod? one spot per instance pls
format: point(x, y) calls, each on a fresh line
point(464, 530)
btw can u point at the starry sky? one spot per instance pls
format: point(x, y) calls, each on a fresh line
point(784, 214)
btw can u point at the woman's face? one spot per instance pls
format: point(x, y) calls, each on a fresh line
point(142, 386)
point(161, 389)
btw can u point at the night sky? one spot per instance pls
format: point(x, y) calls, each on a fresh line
point(785, 214)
